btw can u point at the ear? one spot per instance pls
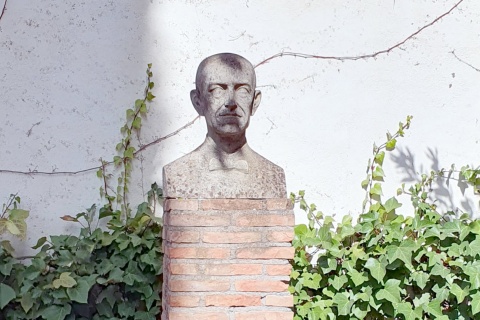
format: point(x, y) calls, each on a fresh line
point(194, 96)
point(256, 101)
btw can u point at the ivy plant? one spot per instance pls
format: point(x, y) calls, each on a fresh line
point(113, 272)
point(425, 265)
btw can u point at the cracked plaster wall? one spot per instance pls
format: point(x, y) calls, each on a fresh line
point(69, 70)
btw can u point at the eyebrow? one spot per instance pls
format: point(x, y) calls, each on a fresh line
point(224, 85)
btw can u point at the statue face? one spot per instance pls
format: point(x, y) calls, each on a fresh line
point(226, 95)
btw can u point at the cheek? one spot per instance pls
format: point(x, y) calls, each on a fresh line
point(244, 101)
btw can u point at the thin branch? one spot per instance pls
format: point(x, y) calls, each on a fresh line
point(142, 148)
point(365, 56)
point(4, 9)
point(465, 62)
point(278, 55)
point(145, 146)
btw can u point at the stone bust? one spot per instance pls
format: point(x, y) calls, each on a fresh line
point(224, 166)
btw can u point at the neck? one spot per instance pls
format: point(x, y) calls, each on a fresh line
point(228, 144)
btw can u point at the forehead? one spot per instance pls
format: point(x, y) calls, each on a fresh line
point(218, 71)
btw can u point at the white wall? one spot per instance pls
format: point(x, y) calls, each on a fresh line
point(74, 67)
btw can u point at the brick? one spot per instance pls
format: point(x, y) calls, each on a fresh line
point(265, 253)
point(184, 268)
point(183, 236)
point(280, 236)
point(279, 204)
point(264, 220)
point(261, 286)
point(196, 285)
point(279, 301)
point(232, 204)
point(180, 204)
point(174, 315)
point(198, 220)
point(198, 253)
point(264, 315)
point(278, 269)
point(233, 269)
point(187, 301)
point(232, 300)
point(231, 237)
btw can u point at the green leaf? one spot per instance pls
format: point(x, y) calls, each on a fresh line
point(475, 246)
point(391, 204)
point(434, 308)
point(458, 292)
point(12, 228)
point(441, 292)
point(26, 301)
point(117, 160)
point(7, 294)
point(391, 144)
point(379, 157)
point(150, 96)
point(130, 113)
point(79, 293)
point(55, 312)
point(138, 103)
point(420, 278)
point(65, 280)
point(475, 303)
point(143, 108)
point(344, 304)
point(40, 242)
point(129, 152)
point(473, 272)
point(391, 291)
point(378, 173)
point(365, 182)
point(406, 309)
point(137, 123)
point(358, 277)
point(403, 252)
point(376, 189)
point(377, 270)
point(7, 246)
point(18, 214)
point(338, 281)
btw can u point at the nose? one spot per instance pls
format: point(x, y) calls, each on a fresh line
point(231, 105)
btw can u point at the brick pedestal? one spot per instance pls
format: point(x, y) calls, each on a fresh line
point(227, 259)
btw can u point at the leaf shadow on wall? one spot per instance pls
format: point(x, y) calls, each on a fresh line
point(443, 188)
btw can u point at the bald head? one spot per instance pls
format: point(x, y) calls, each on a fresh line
point(225, 95)
point(232, 61)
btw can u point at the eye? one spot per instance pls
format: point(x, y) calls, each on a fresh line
point(243, 91)
point(216, 91)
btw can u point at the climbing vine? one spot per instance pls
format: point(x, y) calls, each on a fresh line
point(423, 265)
point(101, 273)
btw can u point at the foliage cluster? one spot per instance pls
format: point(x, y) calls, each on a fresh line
point(112, 272)
point(386, 265)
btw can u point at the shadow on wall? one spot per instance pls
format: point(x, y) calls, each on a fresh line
point(443, 191)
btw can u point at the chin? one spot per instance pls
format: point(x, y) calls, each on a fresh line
point(230, 130)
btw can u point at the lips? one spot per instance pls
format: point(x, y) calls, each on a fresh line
point(229, 114)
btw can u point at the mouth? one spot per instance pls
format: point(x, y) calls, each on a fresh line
point(230, 114)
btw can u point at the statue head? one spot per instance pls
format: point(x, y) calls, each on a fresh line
point(225, 94)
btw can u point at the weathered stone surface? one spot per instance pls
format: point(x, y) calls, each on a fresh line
point(224, 166)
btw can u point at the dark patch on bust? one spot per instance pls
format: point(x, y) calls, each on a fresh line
point(232, 60)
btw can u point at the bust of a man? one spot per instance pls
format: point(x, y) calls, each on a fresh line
point(224, 166)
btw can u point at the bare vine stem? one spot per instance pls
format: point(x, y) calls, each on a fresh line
point(4, 9)
point(358, 57)
point(278, 55)
point(465, 62)
point(142, 148)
